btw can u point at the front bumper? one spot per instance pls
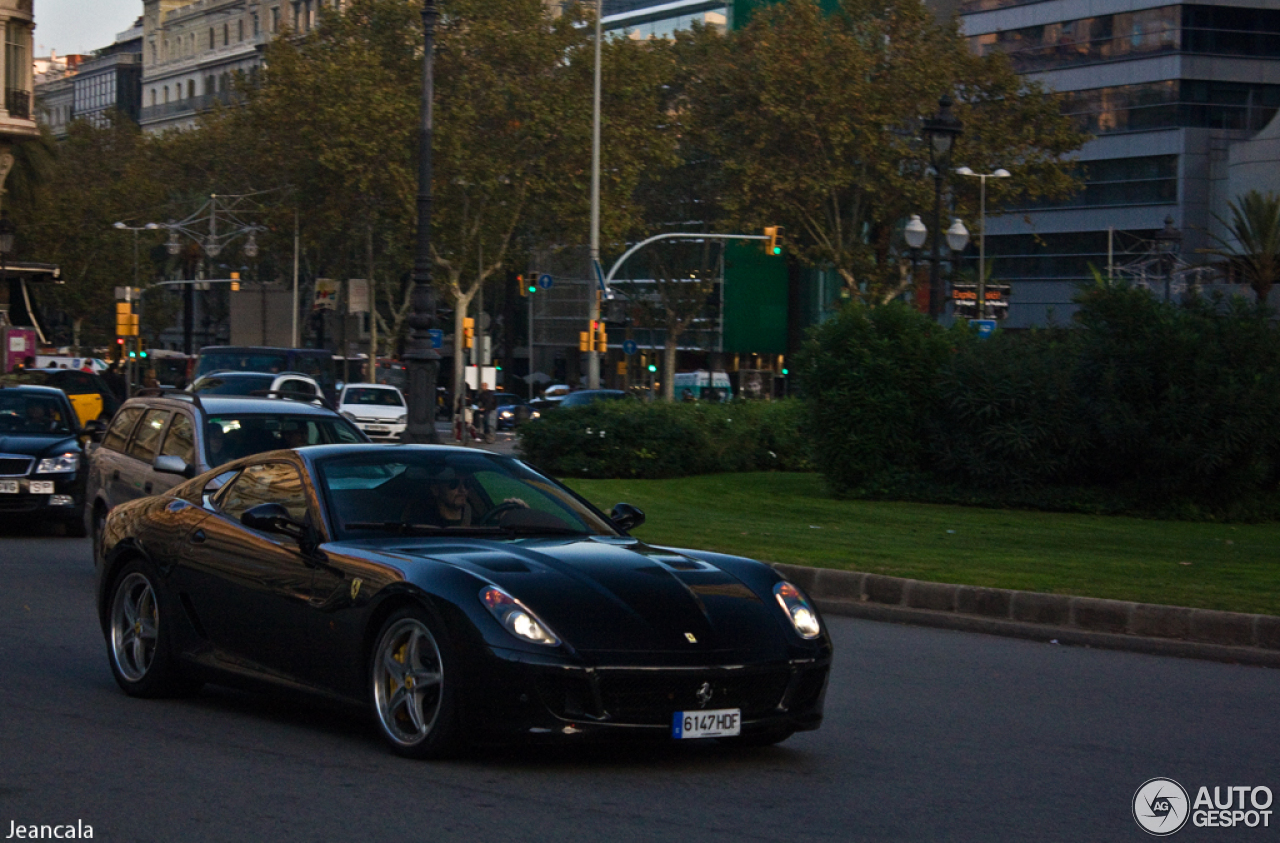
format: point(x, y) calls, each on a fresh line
point(516, 694)
point(52, 497)
point(382, 430)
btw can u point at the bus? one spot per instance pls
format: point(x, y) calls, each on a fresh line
point(314, 362)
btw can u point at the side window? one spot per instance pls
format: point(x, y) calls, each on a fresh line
point(78, 383)
point(273, 482)
point(180, 440)
point(121, 426)
point(146, 439)
point(213, 486)
point(297, 386)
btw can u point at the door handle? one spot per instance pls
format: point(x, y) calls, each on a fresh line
point(198, 536)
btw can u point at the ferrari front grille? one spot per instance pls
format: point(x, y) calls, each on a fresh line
point(650, 697)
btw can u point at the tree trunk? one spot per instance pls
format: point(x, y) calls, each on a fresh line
point(669, 366)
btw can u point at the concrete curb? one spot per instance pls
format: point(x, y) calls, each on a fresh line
point(1085, 621)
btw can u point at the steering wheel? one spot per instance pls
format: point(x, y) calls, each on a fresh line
point(494, 515)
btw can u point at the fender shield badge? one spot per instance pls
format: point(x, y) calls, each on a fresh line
point(355, 587)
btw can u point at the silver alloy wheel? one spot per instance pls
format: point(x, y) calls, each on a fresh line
point(135, 625)
point(408, 679)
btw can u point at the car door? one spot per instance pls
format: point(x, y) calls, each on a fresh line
point(108, 464)
point(137, 477)
point(250, 589)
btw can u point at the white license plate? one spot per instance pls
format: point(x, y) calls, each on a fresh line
point(42, 487)
point(8, 487)
point(721, 723)
point(375, 429)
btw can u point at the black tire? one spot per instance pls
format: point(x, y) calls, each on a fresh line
point(74, 528)
point(139, 649)
point(414, 687)
point(757, 739)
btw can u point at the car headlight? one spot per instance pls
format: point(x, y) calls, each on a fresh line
point(505, 414)
point(801, 614)
point(516, 617)
point(59, 465)
point(535, 415)
point(401, 419)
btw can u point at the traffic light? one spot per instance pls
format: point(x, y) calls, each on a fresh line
point(468, 332)
point(652, 368)
point(584, 341)
point(126, 320)
point(142, 348)
point(771, 231)
point(602, 338)
point(235, 282)
point(522, 287)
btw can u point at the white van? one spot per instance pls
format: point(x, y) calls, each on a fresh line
point(45, 361)
point(703, 387)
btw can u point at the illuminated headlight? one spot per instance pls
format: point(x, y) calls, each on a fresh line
point(517, 619)
point(401, 419)
point(802, 615)
point(535, 415)
point(505, 414)
point(59, 464)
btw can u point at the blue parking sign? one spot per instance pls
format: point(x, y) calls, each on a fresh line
point(986, 327)
point(437, 338)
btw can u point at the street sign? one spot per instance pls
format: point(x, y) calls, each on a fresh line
point(357, 295)
point(437, 338)
point(986, 327)
point(629, 347)
point(545, 281)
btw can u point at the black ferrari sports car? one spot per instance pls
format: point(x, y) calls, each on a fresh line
point(460, 595)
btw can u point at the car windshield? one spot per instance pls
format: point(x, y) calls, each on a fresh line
point(406, 492)
point(368, 396)
point(232, 384)
point(506, 399)
point(229, 438)
point(26, 413)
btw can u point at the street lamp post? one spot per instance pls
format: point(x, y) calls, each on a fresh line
point(593, 359)
point(915, 234)
point(422, 359)
point(982, 231)
point(940, 132)
point(1168, 241)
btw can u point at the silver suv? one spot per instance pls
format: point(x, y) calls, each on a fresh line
point(164, 436)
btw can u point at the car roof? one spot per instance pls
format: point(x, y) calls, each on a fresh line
point(372, 386)
point(218, 405)
point(39, 389)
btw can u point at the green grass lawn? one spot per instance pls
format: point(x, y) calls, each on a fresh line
point(790, 518)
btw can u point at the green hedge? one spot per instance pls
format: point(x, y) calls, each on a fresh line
point(1142, 406)
point(616, 439)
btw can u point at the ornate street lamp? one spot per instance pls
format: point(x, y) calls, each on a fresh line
point(940, 132)
point(1168, 242)
point(422, 359)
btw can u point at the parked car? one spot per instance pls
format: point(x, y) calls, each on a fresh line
point(379, 410)
point(42, 471)
point(512, 411)
point(315, 363)
point(583, 397)
point(88, 392)
point(163, 436)
point(455, 594)
point(286, 385)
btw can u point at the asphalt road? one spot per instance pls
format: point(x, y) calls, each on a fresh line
point(930, 735)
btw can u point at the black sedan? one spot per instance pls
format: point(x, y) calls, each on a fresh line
point(42, 471)
point(458, 594)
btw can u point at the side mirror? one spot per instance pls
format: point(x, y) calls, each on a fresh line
point(626, 517)
point(273, 518)
point(93, 430)
point(168, 464)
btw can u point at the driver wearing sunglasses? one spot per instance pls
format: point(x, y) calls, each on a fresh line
point(448, 491)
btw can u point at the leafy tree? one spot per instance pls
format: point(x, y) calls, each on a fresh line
point(816, 119)
point(1252, 251)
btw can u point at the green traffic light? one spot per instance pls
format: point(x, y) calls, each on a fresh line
point(533, 288)
point(777, 250)
point(652, 368)
point(786, 371)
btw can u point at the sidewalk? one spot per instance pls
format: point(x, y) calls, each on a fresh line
point(504, 441)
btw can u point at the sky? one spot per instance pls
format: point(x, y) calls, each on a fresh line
point(81, 26)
